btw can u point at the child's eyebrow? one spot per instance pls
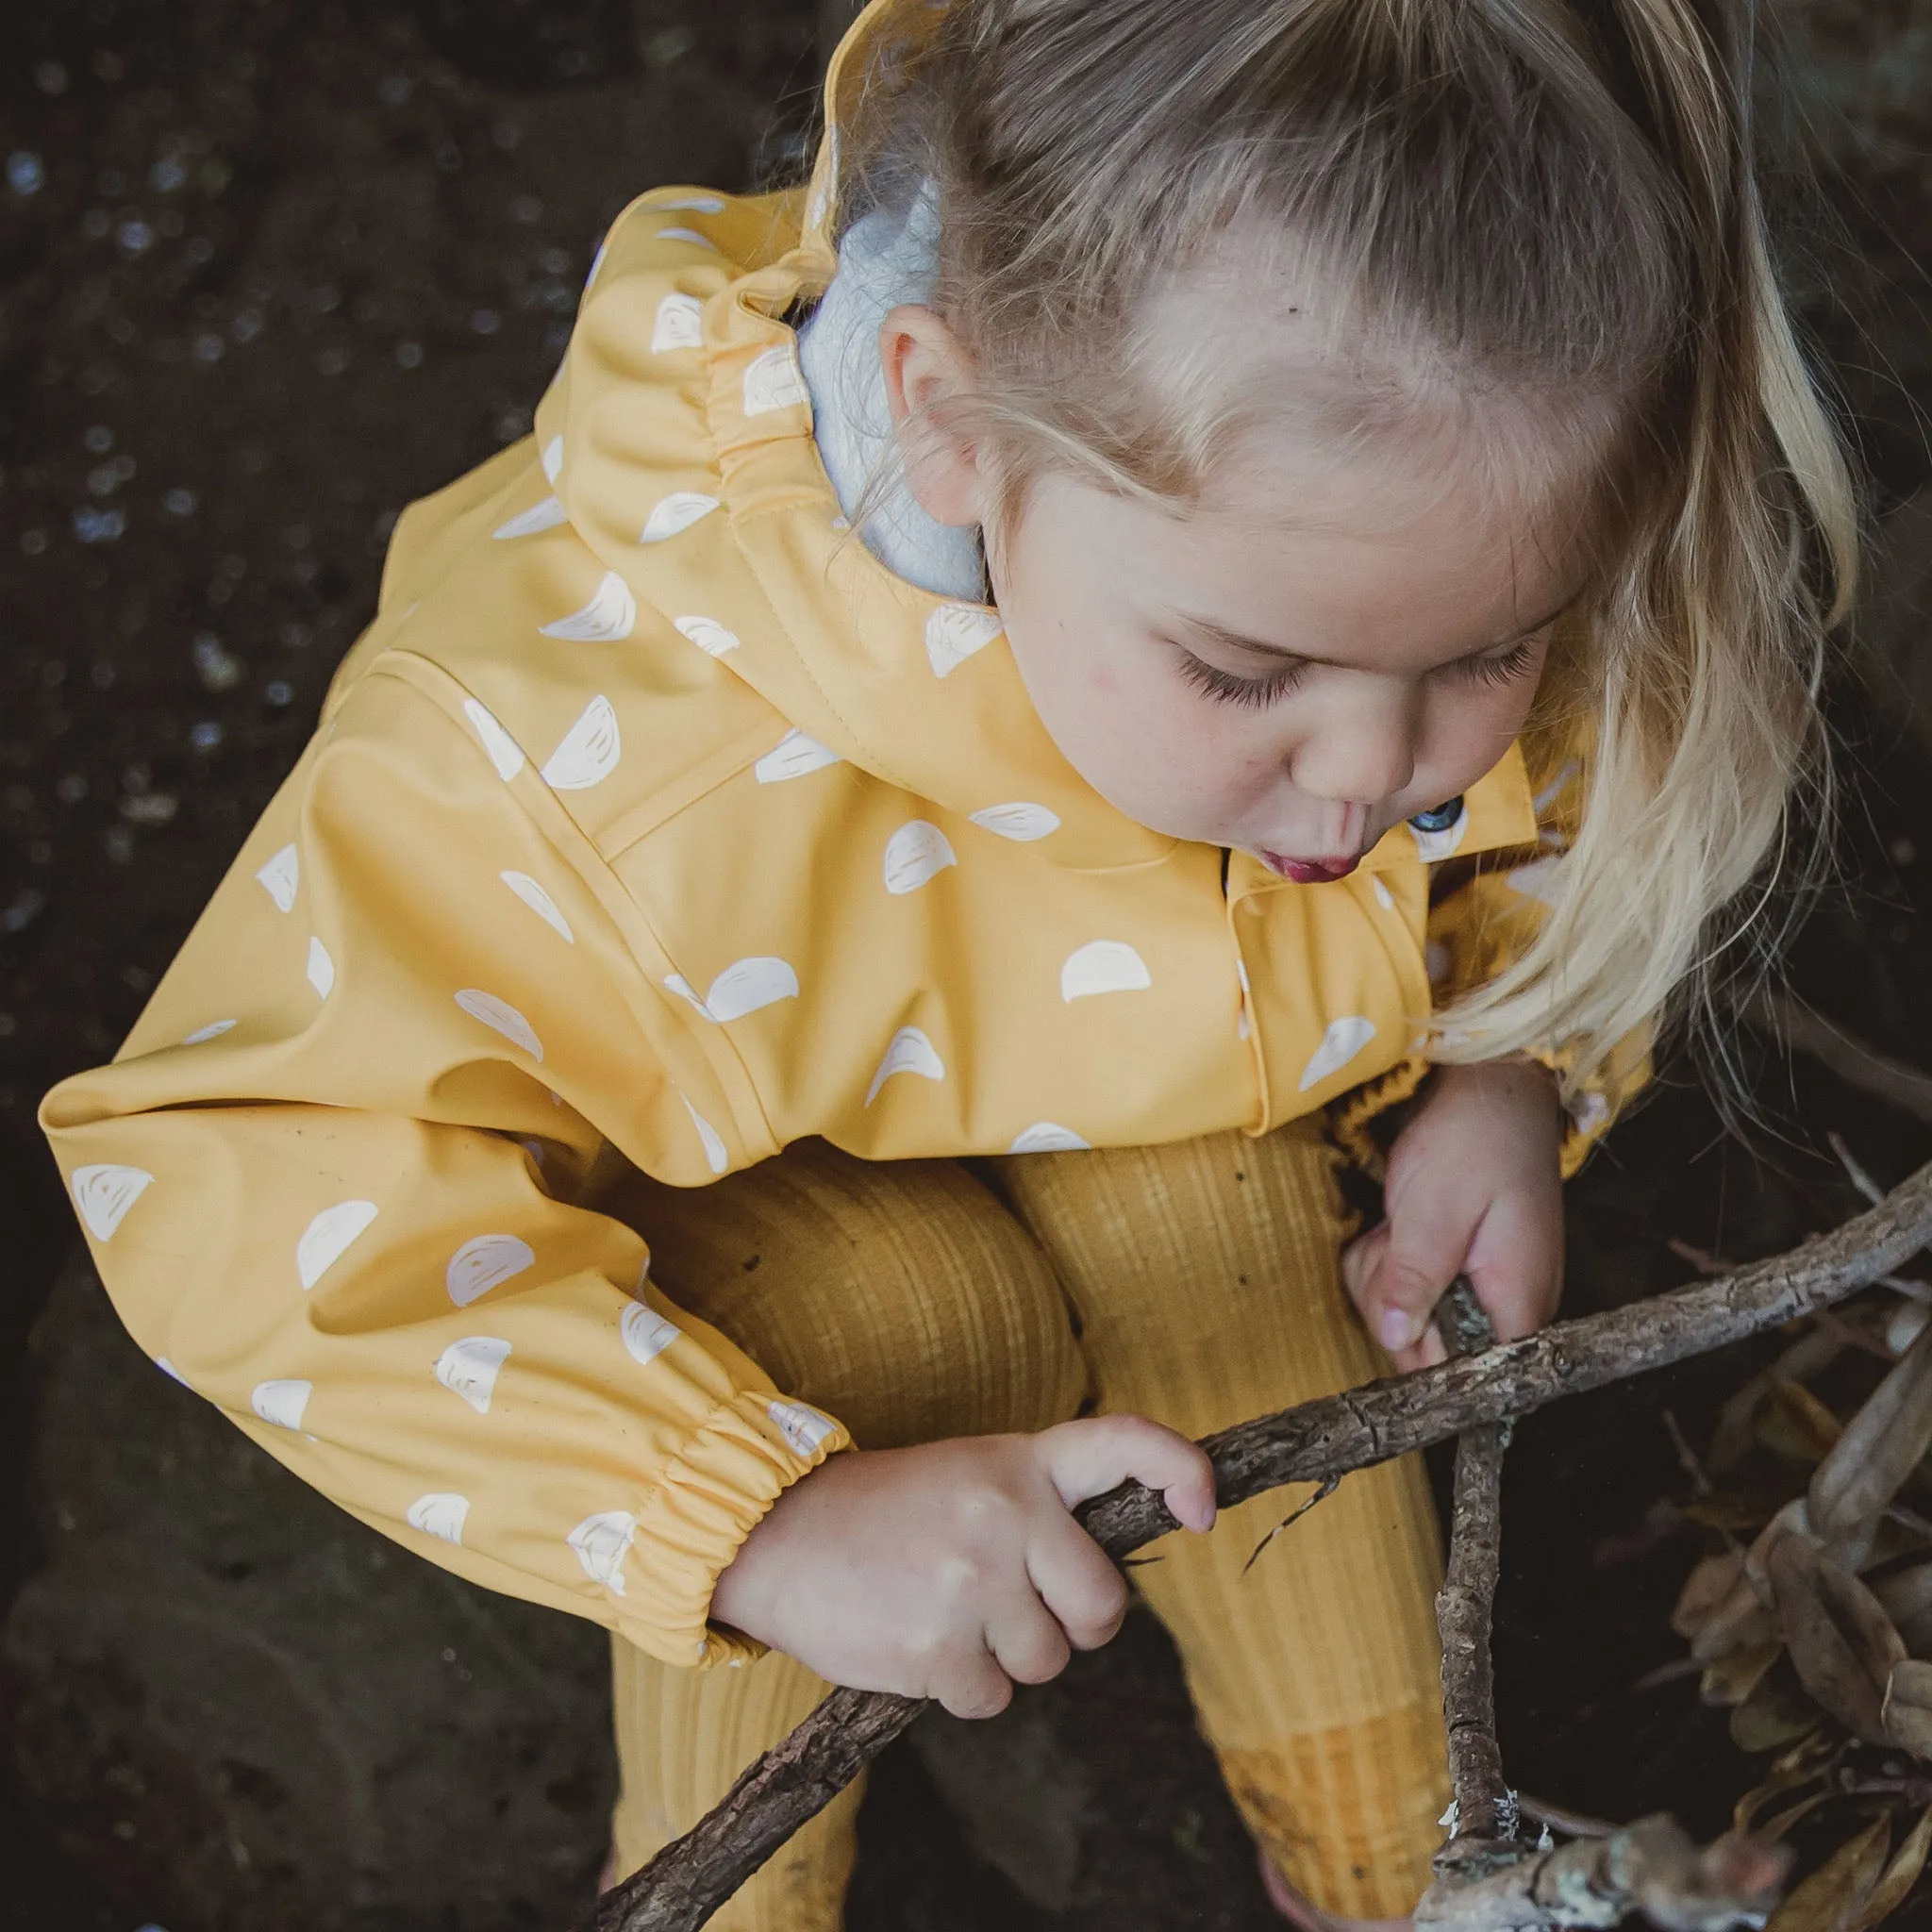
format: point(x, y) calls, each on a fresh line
point(1234, 639)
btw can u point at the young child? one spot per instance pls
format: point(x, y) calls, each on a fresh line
point(1285, 590)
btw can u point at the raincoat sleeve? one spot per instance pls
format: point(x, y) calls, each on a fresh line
point(1483, 916)
point(335, 1182)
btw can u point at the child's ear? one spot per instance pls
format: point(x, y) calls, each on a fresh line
point(925, 366)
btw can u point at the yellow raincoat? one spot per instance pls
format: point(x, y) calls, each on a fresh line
point(654, 819)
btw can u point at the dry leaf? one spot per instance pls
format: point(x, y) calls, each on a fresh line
point(1827, 1900)
point(1737, 1420)
point(1732, 1678)
point(1900, 1876)
point(1908, 1709)
point(1776, 1714)
point(1843, 1643)
point(1794, 1423)
point(1708, 1584)
point(1784, 1784)
point(1880, 1447)
point(1907, 1595)
point(1792, 1520)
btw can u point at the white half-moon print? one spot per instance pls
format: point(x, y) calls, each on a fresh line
point(1589, 1111)
point(553, 458)
point(1047, 1137)
point(503, 750)
point(539, 901)
point(104, 1192)
point(202, 1035)
point(283, 1402)
point(500, 1017)
point(1542, 879)
point(716, 1157)
point(168, 1369)
point(746, 985)
point(483, 1262)
point(1384, 897)
point(690, 235)
point(1558, 784)
point(321, 969)
point(280, 876)
point(610, 614)
point(539, 517)
point(327, 1235)
point(678, 511)
point(707, 634)
point(677, 983)
point(1344, 1039)
point(1436, 962)
point(1243, 1025)
point(1103, 966)
point(804, 1428)
point(954, 631)
point(697, 204)
point(1435, 845)
point(680, 325)
point(910, 1051)
point(773, 381)
point(916, 853)
point(440, 1514)
point(792, 756)
point(1021, 821)
point(469, 1368)
point(646, 1333)
point(590, 752)
point(602, 1542)
point(816, 209)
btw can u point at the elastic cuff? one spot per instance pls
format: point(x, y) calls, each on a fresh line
point(744, 1457)
point(1352, 1118)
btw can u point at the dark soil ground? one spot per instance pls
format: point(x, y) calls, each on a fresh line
point(268, 270)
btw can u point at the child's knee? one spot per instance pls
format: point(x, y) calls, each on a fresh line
point(900, 1296)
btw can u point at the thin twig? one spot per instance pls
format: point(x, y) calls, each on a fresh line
point(691, 1877)
point(1853, 1062)
point(1854, 1170)
point(1558, 1817)
point(1329, 1485)
point(1464, 1606)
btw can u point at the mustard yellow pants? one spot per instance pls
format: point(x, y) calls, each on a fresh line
point(1196, 1284)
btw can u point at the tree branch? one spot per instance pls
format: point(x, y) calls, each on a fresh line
point(691, 1877)
point(1465, 1604)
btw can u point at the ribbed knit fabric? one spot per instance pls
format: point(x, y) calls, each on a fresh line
point(914, 1302)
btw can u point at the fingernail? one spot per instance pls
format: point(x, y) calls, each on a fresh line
point(1395, 1328)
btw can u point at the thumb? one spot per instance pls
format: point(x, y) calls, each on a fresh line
point(1098, 1453)
point(1424, 1253)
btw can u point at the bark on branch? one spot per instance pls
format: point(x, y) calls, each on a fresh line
point(1465, 1605)
point(687, 1881)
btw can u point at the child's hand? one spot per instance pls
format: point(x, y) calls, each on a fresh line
point(954, 1570)
point(1473, 1190)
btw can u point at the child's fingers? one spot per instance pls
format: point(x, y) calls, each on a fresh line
point(1078, 1583)
point(1423, 1252)
point(1027, 1643)
point(1098, 1453)
point(972, 1686)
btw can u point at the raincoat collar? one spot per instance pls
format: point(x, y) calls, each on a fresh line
point(920, 689)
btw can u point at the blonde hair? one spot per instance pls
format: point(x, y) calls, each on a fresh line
point(1549, 202)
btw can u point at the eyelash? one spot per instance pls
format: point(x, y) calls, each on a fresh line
point(1256, 693)
point(1503, 669)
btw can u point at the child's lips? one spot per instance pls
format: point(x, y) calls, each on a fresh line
point(1310, 872)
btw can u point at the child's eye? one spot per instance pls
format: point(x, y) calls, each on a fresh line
point(1505, 669)
point(1225, 686)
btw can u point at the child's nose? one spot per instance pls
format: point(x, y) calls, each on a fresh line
point(1358, 760)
